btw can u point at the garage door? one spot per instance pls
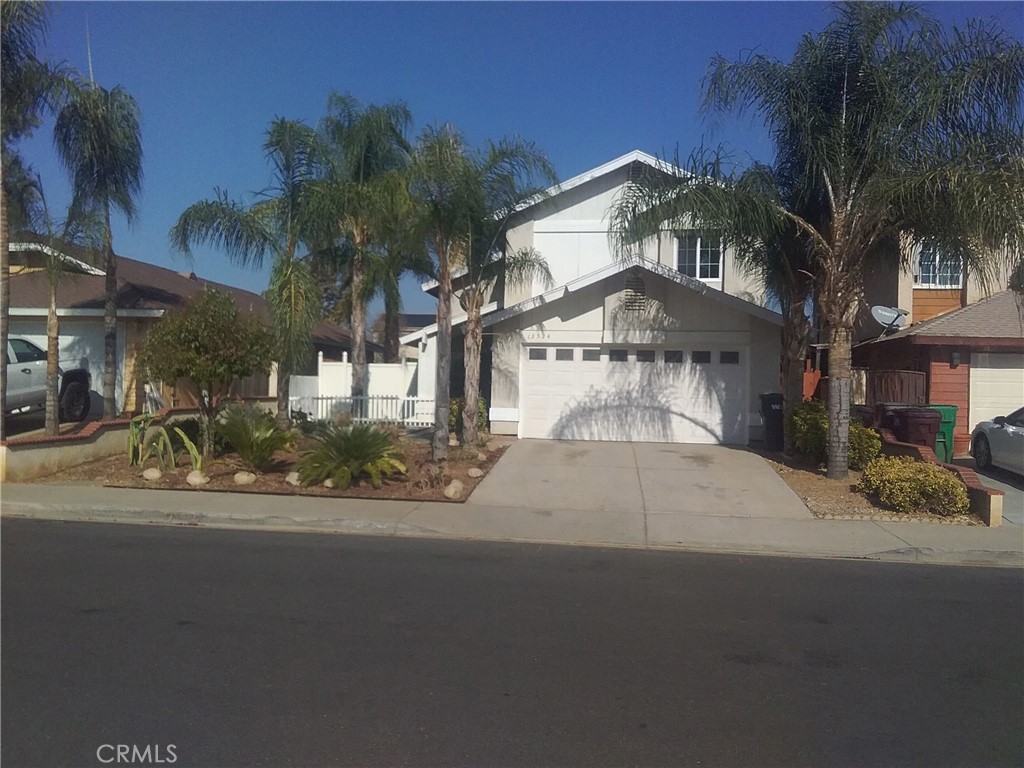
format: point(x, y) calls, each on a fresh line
point(642, 394)
point(997, 385)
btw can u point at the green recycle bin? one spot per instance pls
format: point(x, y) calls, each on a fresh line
point(944, 439)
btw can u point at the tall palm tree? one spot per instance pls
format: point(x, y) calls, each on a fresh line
point(98, 138)
point(275, 226)
point(732, 203)
point(367, 152)
point(901, 130)
point(444, 178)
point(506, 175)
point(28, 86)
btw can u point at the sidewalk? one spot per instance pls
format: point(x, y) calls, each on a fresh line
point(719, 532)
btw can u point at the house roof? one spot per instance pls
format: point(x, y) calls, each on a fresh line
point(623, 161)
point(1000, 316)
point(493, 315)
point(142, 286)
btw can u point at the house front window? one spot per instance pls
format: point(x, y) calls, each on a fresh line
point(699, 255)
point(936, 269)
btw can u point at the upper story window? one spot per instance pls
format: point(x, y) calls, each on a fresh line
point(699, 255)
point(937, 270)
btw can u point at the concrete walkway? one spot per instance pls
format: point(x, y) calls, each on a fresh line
point(603, 502)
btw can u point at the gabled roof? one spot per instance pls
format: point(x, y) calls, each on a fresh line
point(623, 161)
point(142, 286)
point(492, 316)
point(1000, 316)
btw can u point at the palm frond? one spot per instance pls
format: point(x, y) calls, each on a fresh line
point(244, 234)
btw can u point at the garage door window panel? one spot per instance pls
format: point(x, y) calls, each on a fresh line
point(618, 355)
point(537, 353)
point(591, 355)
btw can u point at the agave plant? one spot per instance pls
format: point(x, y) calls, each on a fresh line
point(253, 435)
point(342, 454)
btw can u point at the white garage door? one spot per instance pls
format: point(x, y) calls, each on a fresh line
point(997, 385)
point(642, 394)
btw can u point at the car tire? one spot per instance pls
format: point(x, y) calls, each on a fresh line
point(74, 405)
point(982, 452)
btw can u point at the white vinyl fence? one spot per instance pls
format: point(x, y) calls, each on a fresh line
point(406, 411)
point(391, 394)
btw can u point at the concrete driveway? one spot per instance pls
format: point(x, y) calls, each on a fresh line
point(657, 478)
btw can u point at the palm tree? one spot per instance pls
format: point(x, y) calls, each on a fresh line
point(508, 174)
point(733, 205)
point(367, 152)
point(99, 142)
point(274, 226)
point(28, 86)
point(902, 130)
point(444, 178)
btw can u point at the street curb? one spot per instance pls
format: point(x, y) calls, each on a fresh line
point(347, 526)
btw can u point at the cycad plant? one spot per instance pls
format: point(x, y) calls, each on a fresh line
point(253, 435)
point(343, 454)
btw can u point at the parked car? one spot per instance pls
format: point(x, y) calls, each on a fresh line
point(26, 383)
point(1000, 442)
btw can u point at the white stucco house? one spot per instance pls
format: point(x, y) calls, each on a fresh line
point(672, 346)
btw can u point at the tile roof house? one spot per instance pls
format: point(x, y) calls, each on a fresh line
point(145, 293)
point(972, 358)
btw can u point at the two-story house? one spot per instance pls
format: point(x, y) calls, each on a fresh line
point(670, 345)
point(965, 339)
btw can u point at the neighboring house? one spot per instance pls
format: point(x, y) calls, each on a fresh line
point(407, 323)
point(669, 345)
point(145, 293)
point(972, 357)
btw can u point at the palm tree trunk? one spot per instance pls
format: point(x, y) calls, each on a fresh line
point(444, 357)
point(392, 308)
point(52, 334)
point(5, 302)
point(109, 321)
point(840, 339)
point(795, 332)
point(359, 372)
point(284, 417)
point(474, 341)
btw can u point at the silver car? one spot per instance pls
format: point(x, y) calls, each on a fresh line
point(1000, 442)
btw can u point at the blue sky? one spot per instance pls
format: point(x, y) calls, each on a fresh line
point(586, 81)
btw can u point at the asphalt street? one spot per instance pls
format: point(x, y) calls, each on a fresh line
point(273, 649)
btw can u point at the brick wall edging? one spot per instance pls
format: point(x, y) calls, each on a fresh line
point(90, 429)
point(986, 503)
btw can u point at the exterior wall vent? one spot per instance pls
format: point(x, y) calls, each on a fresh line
point(634, 297)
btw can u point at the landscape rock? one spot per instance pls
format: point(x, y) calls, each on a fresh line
point(244, 478)
point(481, 456)
point(493, 445)
point(293, 478)
point(475, 472)
point(152, 474)
point(328, 483)
point(196, 478)
point(453, 441)
point(454, 490)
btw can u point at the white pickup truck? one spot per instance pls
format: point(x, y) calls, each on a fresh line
point(26, 383)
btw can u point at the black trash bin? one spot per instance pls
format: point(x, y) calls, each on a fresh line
point(772, 411)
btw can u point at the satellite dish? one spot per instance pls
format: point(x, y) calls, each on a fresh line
point(890, 318)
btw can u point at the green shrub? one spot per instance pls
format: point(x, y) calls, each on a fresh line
point(808, 423)
point(342, 454)
point(253, 435)
point(455, 408)
point(192, 428)
point(865, 445)
point(906, 485)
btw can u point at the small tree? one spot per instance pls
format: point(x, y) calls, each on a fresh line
point(209, 344)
